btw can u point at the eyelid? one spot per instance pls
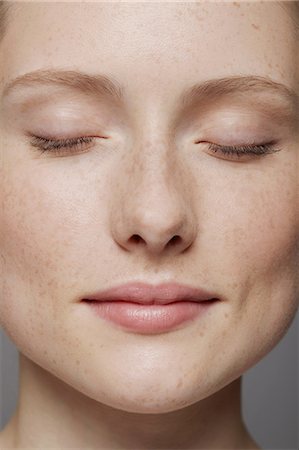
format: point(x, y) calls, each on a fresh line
point(57, 146)
point(239, 151)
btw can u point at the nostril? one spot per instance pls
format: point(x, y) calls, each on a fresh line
point(174, 240)
point(136, 238)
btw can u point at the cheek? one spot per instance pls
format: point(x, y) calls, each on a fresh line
point(251, 239)
point(28, 225)
point(34, 241)
point(260, 243)
point(51, 218)
point(42, 243)
point(257, 218)
point(46, 210)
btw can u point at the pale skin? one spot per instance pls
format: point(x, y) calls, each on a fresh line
point(68, 222)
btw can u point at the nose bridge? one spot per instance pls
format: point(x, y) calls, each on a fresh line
point(156, 174)
point(155, 161)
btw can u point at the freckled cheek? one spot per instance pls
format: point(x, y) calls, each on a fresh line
point(49, 222)
point(32, 238)
point(263, 230)
point(36, 262)
point(41, 248)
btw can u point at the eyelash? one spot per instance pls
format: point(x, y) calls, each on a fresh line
point(55, 146)
point(243, 150)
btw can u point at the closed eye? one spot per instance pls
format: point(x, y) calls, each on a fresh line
point(254, 150)
point(58, 146)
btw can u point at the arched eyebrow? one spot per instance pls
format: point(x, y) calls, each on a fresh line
point(284, 99)
point(218, 87)
point(80, 81)
point(279, 100)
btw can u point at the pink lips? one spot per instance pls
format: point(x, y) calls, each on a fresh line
point(145, 308)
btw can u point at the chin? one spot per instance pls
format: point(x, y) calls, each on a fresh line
point(157, 400)
point(149, 405)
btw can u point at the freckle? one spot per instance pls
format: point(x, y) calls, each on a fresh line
point(179, 383)
point(201, 334)
point(255, 26)
point(225, 315)
point(78, 363)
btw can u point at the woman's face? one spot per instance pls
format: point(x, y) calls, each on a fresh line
point(70, 219)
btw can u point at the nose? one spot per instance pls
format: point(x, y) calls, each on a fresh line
point(152, 209)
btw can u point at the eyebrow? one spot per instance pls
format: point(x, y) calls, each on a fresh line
point(89, 84)
point(287, 98)
point(283, 97)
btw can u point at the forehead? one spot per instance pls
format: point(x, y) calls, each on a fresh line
point(165, 44)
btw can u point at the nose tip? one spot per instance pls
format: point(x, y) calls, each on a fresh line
point(156, 235)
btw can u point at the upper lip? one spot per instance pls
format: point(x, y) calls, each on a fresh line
point(144, 293)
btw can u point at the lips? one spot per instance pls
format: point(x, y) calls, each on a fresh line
point(151, 309)
point(148, 294)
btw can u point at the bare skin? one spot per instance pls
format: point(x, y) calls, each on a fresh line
point(175, 430)
point(70, 223)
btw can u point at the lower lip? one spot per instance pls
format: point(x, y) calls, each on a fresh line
point(149, 319)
